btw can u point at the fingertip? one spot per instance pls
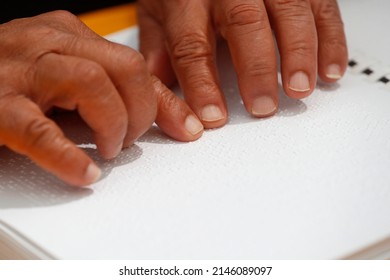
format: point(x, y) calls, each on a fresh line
point(212, 116)
point(82, 173)
point(193, 126)
point(299, 85)
point(110, 152)
point(92, 174)
point(76, 168)
point(263, 106)
point(299, 82)
point(188, 129)
point(89, 176)
point(332, 73)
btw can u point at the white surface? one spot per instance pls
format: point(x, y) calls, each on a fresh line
point(311, 182)
point(367, 27)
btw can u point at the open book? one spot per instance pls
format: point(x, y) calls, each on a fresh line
point(312, 182)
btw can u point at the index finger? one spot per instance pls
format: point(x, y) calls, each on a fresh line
point(25, 130)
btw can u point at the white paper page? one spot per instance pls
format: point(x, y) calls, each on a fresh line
point(311, 182)
point(367, 27)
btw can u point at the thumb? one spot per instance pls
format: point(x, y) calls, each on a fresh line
point(174, 116)
point(152, 46)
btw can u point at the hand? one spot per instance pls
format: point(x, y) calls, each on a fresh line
point(179, 37)
point(54, 61)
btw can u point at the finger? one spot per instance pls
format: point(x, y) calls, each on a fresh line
point(24, 129)
point(191, 45)
point(245, 26)
point(127, 70)
point(295, 32)
point(152, 46)
point(174, 116)
point(70, 82)
point(332, 49)
point(125, 67)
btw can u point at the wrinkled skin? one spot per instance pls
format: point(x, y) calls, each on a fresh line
point(179, 37)
point(54, 61)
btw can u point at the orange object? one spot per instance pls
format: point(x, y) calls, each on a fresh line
point(109, 20)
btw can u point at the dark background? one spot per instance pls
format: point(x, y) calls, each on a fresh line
point(17, 9)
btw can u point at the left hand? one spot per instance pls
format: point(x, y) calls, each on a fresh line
point(178, 38)
point(53, 60)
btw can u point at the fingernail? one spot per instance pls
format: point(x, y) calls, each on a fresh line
point(93, 173)
point(193, 125)
point(263, 106)
point(299, 82)
point(211, 113)
point(333, 72)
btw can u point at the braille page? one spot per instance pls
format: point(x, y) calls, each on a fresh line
point(311, 182)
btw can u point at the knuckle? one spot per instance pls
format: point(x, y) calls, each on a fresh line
point(292, 10)
point(90, 82)
point(302, 48)
point(205, 90)
point(246, 18)
point(90, 72)
point(38, 133)
point(48, 28)
point(283, 4)
point(165, 98)
point(137, 60)
point(58, 17)
point(167, 101)
point(333, 44)
point(64, 154)
point(325, 11)
point(63, 15)
point(43, 32)
point(158, 86)
point(53, 25)
point(191, 47)
point(127, 59)
point(203, 83)
point(243, 14)
point(260, 68)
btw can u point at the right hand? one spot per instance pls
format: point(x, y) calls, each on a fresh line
point(55, 61)
point(178, 39)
